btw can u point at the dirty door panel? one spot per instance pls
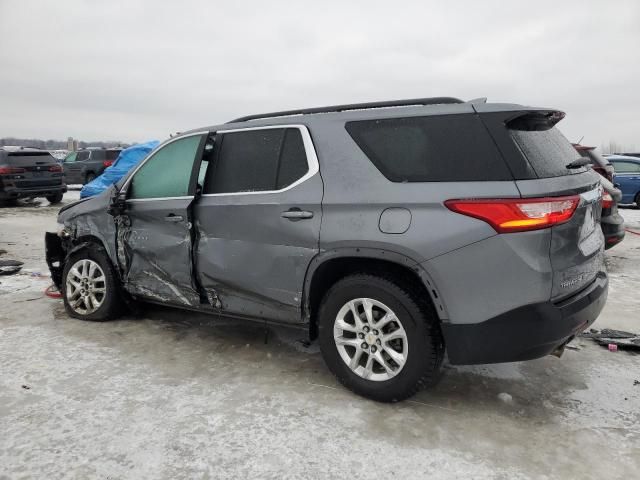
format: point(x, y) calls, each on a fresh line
point(154, 234)
point(259, 222)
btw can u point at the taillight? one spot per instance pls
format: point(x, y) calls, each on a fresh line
point(55, 168)
point(11, 170)
point(518, 214)
point(607, 200)
point(107, 163)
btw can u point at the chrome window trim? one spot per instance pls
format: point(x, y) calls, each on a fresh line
point(312, 159)
point(136, 200)
point(125, 187)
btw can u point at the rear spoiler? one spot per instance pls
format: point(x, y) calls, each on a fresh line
point(535, 120)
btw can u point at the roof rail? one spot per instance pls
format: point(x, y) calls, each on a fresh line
point(353, 106)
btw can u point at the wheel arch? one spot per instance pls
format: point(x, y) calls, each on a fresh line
point(330, 266)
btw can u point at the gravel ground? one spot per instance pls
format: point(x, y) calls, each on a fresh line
point(177, 395)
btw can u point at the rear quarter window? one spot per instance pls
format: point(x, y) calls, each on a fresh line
point(447, 148)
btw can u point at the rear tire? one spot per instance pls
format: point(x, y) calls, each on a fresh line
point(55, 198)
point(637, 200)
point(90, 177)
point(90, 288)
point(399, 367)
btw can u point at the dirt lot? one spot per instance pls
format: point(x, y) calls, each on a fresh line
point(176, 395)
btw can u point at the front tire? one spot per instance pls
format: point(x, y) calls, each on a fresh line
point(90, 288)
point(377, 338)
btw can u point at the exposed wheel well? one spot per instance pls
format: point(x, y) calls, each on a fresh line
point(331, 271)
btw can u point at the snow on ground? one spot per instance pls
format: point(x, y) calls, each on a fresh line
point(172, 394)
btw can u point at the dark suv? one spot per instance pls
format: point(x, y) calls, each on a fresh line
point(29, 173)
point(611, 221)
point(84, 165)
point(388, 231)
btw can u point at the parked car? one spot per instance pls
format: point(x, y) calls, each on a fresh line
point(84, 165)
point(29, 173)
point(627, 177)
point(388, 231)
point(611, 221)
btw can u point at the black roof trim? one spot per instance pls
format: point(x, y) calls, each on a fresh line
point(353, 106)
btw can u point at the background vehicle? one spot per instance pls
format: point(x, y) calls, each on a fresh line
point(444, 222)
point(611, 221)
point(84, 165)
point(627, 177)
point(29, 173)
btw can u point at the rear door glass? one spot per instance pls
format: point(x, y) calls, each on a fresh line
point(82, 156)
point(447, 148)
point(548, 151)
point(626, 167)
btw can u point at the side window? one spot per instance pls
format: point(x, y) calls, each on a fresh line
point(256, 161)
point(82, 156)
point(447, 148)
point(168, 172)
point(71, 157)
point(626, 167)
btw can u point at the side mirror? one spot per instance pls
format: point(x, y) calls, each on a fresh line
point(118, 204)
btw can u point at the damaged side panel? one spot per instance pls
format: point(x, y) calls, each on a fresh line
point(154, 251)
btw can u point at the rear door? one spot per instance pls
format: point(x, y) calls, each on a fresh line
point(74, 167)
point(258, 220)
point(541, 155)
point(154, 233)
point(627, 176)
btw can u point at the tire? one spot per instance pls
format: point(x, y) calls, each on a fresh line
point(55, 198)
point(9, 202)
point(111, 302)
point(90, 177)
point(637, 199)
point(418, 320)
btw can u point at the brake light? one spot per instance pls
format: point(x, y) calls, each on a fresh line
point(107, 163)
point(518, 214)
point(55, 168)
point(607, 200)
point(11, 170)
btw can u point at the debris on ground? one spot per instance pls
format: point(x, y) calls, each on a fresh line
point(505, 397)
point(9, 267)
point(614, 339)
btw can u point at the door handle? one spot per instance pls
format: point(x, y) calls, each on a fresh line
point(294, 214)
point(173, 218)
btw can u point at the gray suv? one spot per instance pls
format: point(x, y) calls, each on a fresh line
point(390, 232)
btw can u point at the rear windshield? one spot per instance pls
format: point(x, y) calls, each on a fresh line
point(447, 148)
point(548, 151)
point(25, 158)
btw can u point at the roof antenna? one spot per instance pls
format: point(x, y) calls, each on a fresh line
point(476, 101)
point(580, 141)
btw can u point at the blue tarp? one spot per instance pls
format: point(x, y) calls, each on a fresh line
point(128, 158)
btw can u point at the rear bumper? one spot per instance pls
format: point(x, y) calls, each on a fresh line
point(527, 332)
point(13, 192)
point(613, 229)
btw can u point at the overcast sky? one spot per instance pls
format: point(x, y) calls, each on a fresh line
point(137, 70)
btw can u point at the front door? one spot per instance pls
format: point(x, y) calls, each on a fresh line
point(258, 220)
point(154, 232)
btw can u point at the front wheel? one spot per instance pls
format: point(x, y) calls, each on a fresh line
point(55, 198)
point(377, 339)
point(90, 288)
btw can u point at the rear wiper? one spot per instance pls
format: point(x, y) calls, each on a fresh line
point(581, 162)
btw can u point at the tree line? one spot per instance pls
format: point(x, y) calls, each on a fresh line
point(55, 144)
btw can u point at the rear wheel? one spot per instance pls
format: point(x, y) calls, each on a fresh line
point(90, 288)
point(55, 198)
point(637, 200)
point(377, 340)
point(90, 177)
